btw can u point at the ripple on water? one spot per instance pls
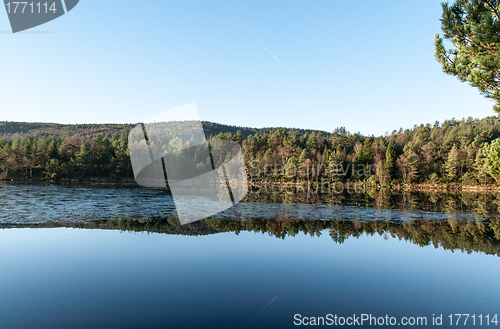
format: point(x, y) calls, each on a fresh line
point(34, 204)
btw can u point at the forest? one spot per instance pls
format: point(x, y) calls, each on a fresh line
point(457, 152)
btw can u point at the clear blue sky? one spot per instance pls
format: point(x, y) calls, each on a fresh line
point(365, 65)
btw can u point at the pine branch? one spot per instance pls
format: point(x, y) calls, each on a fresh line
point(493, 9)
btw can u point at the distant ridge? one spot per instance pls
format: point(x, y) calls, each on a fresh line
point(212, 129)
point(40, 129)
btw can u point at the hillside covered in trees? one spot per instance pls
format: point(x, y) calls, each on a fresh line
point(456, 152)
point(41, 129)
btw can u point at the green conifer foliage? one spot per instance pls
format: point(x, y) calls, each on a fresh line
point(304, 156)
point(492, 159)
point(452, 163)
point(390, 159)
point(473, 27)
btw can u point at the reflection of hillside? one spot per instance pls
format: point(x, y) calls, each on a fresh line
point(450, 235)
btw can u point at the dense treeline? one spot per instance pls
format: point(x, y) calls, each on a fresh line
point(55, 158)
point(41, 129)
point(458, 152)
point(451, 152)
point(212, 129)
point(450, 235)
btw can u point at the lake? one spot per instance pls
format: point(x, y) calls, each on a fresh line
point(116, 257)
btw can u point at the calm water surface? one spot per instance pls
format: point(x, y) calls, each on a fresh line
point(80, 257)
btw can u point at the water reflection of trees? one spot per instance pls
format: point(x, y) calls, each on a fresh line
point(465, 236)
point(481, 203)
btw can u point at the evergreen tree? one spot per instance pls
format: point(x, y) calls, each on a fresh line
point(473, 27)
point(312, 142)
point(383, 172)
point(239, 137)
point(390, 159)
point(303, 156)
point(481, 173)
point(407, 165)
point(268, 156)
point(335, 166)
point(363, 158)
point(452, 163)
point(83, 159)
point(326, 156)
point(291, 168)
point(492, 159)
point(367, 151)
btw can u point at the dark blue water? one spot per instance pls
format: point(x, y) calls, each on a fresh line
point(95, 278)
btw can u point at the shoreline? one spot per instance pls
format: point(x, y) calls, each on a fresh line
point(395, 187)
point(353, 185)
